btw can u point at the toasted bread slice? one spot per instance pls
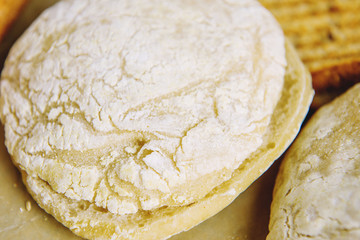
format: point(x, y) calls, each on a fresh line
point(326, 35)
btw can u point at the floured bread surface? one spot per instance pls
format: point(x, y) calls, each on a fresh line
point(130, 106)
point(317, 191)
point(134, 105)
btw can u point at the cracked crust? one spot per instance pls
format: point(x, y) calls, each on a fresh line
point(88, 221)
point(117, 149)
point(316, 195)
point(128, 110)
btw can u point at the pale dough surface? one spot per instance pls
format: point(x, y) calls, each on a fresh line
point(295, 99)
point(135, 107)
point(245, 219)
point(317, 192)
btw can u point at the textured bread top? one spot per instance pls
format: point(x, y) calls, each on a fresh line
point(317, 191)
point(140, 104)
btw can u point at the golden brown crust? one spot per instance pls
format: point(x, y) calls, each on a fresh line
point(333, 81)
point(9, 10)
point(344, 75)
point(326, 34)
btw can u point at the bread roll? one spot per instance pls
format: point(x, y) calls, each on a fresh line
point(138, 119)
point(317, 192)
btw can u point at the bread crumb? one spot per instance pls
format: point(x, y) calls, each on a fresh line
point(231, 192)
point(28, 206)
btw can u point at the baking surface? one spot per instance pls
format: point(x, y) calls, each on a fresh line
point(246, 218)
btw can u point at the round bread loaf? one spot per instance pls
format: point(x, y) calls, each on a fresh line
point(317, 192)
point(140, 119)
